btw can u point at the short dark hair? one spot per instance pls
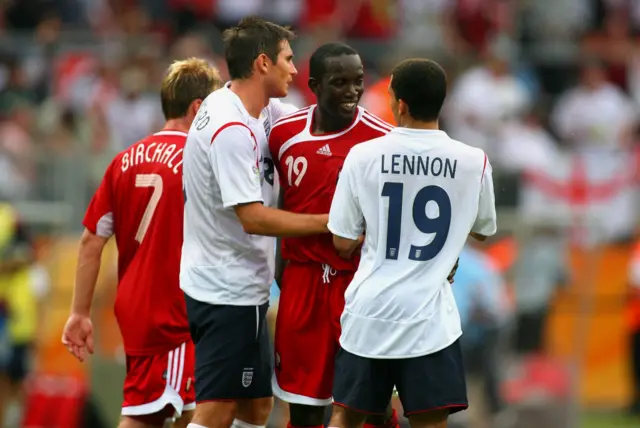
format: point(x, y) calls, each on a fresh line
point(422, 85)
point(252, 37)
point(317, 65)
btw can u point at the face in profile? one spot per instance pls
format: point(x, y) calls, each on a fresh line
point(281, 74)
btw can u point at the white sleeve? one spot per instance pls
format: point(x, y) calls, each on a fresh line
point(280, 109)
point(234, 158)
point(345, 216)
point(485, 223)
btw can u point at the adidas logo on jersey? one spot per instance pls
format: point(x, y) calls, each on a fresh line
point(324, 150)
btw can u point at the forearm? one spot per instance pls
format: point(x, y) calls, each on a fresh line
point(257, 219)
point(89, 257)
point(279, 223)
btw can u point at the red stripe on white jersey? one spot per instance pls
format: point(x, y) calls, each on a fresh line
point(484, 167)
point(227, 125)
point(377, 120)
point(255, 141)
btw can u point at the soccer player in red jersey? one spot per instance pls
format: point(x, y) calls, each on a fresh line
point(140, 201)
point(309, 148)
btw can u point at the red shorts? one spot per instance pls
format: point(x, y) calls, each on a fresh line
point(307, 332)
point(160, 383)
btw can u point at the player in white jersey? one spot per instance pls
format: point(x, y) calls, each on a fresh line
point(420, 195)
point(228, 258)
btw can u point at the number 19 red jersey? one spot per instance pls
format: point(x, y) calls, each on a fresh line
point(140, 201)
point(308, 165)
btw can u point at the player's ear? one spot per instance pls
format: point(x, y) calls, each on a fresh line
point(403, 108)
point(313, 84)
point(195, 106)
point(262, 63)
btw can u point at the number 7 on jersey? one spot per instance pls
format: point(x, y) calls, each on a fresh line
point(148, 180)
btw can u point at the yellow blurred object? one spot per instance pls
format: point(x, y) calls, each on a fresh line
point(8, 220)
point(17, 292)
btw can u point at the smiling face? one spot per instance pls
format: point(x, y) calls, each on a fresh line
point(341, 87)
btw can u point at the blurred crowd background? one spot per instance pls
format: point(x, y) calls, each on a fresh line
point(550, 89)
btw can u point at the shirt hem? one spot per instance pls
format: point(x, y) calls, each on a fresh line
point(241, 202)
point(200, 298)
point(403, 357)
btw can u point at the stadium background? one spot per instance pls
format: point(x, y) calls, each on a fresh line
point(79, 79)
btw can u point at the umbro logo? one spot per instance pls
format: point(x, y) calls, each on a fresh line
point(324, 150)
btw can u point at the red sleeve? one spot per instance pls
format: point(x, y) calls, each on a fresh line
point(99, 216)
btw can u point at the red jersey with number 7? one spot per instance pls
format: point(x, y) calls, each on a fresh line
point(140, 202)
point(308, 165)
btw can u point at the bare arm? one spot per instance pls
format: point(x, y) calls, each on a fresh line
point(257, 219)
point(234, 163)
point(89, 256)
point(345, 247)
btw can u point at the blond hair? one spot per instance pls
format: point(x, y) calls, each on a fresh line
point(186, 81)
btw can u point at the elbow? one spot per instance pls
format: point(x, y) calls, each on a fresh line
point(250, 218)
point(344, 247)
point(252, 224)
point(91, 245)
point(250, 227)
point(344, 254)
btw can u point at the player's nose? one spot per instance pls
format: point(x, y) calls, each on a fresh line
point(351, 93)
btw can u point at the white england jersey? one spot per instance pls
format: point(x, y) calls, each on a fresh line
point(227, 163)
point(420, 194)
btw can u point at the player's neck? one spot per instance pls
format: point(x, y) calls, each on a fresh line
point(252, 94)
point(325, 124)
point(418, 124)
point(182, 124)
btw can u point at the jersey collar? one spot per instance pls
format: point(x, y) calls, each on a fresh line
point(238, 102)
point(417, 132)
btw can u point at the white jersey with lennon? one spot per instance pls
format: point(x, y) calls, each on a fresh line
point(420, 194)
point(227, 163)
